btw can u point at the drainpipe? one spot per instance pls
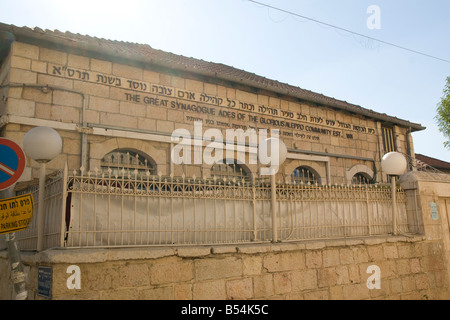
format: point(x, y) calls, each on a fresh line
point(171, 171)
point(410, 150)
point(84, 130)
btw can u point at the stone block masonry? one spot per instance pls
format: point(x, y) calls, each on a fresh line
point(99, 106)
point(410, 268)
point(86, 90)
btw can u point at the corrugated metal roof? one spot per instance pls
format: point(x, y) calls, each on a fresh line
point(435, 163)
point(145, 54)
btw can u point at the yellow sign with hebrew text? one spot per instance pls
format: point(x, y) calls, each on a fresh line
point(16, 213)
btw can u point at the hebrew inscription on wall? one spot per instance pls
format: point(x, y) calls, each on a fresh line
point(211, 109)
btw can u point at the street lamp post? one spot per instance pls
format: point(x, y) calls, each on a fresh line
point(42, 144)
point(394, 164)
point(278, 154)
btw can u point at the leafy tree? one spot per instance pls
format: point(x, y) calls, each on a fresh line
point(443, 113)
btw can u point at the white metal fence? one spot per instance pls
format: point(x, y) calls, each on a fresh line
point(95, 209)
point(55, 208)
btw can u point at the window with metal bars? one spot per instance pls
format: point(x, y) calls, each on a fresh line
point(361, 178)
point(388, 139)
point(124, 163)
point(228, 171)
point(305, 176)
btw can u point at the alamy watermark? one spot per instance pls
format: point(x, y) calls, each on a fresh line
point(374, 20)
point(74, 280)
point(269, 151)
point(374, 281)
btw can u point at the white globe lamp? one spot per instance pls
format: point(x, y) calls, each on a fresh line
point(42, 144)
point(394, 164)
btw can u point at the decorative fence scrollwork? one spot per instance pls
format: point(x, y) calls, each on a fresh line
point(96, 209)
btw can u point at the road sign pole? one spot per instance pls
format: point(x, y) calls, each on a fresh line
point(17, 274)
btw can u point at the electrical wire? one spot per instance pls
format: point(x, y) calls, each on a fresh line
point(348, 31)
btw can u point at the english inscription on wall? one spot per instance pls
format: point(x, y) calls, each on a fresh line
point(218, 111)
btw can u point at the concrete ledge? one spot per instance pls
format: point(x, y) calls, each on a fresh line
point(99, 255)
point(193, 252)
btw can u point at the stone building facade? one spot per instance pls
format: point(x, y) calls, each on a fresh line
point(107, 97)
point(117, 105)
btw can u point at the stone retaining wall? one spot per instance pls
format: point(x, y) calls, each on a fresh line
point(411, 268)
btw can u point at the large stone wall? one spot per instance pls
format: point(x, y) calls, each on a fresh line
point(410, 268)
point(107, 94)
point(428, 202)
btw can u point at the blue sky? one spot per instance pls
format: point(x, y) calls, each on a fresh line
point(283, 47)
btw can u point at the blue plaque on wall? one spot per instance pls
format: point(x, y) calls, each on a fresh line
point(434, 211)
point(45, 282)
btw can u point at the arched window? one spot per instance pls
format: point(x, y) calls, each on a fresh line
point(305, 175)
point(361, 178)
point(229, 171)
point(125, 162)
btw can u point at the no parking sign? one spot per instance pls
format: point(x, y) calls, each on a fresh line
point(12, 163)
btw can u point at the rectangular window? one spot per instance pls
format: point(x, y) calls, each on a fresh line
point(388, 139)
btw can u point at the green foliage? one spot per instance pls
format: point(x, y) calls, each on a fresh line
point(443, 113)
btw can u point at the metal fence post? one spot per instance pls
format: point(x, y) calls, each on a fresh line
point(63, 206)
point(273, 189)
point(254, 209)
point(368, 210)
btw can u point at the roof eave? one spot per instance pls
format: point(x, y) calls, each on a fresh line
point(41, 38)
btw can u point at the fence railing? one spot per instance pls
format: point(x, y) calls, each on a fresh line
point(54, 209)
point(98, 210)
